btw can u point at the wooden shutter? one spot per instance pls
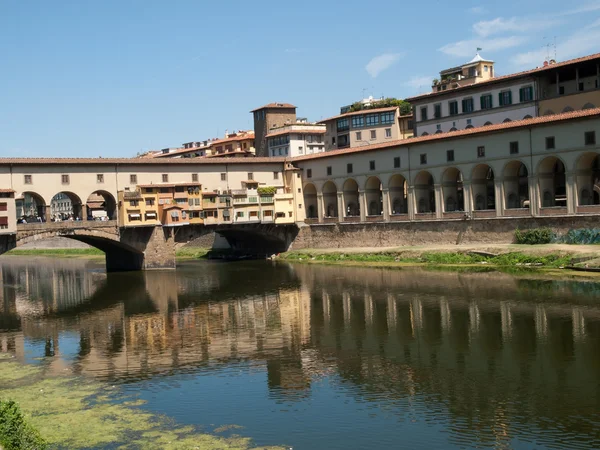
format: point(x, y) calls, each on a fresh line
point(521, 95)
point(510, 97)
point(481, 102)
point(464, 106)
point(500, 102)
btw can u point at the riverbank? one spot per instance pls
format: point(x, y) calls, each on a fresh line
point(507, 257)
point(181, 254)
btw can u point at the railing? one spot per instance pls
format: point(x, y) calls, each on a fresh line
point(266, 199)
point(253, 199)
point(239, 192)
point(240, 200)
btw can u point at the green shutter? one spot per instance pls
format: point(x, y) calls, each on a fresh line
point(481, 101)
point(500, 103)
point(521, 95)
point(530, 88)
point(464, 103)
point(510, 97)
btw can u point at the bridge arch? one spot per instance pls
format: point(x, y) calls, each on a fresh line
point(30, 207)
point(65, 205)
point(100, 204)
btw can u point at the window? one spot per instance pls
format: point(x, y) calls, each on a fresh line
point(437, 111)
point(453, 106)
point(485, 68)
point(133, 202)
point(250, 176)
point(505, 98)
point(27, 179)
point(223, 176)
point(590, 138)
point(424, 113)
point(3, 207)
point(308, 173)
point(165, 178)
point(332, 141)
point(358, 136)
point(194, 177)
point(388, 132)
point(3, 222)
point(561, 90)
point(132, 179)
point(514, 148)
point(580, 87)
point(372, 120)
point(65, 179)
point(300, 150)
point(387, 118)
point(438, 127)
point(342, 125)
point(486, 101)
point(372, 165)
point(150, 201)
point(358, 122)
point(373, 134)
point(449, 155)
point(467, 105)
point(349, 168)
point(396, 162)
point(550, 144)
point(423, 158)
point(328, 170)
point(276, 175)
point(526, 94)
point(480, 151)
point(239, 214)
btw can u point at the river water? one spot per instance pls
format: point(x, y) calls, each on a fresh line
point(324, 357)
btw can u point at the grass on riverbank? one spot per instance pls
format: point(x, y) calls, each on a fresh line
point(511, 259)
point(182, 253)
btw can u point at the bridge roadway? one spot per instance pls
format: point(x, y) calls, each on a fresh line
point(151, 247)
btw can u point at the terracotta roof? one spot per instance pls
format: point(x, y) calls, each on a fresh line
point(172, 206)
point(280, 133)
point(362, 111)
point(231, 153)
point(139, 161)
point(275, 105)
point(507, 77)
point(239, 137)
point(458, 134)
point(181, 151)
point(162, 185)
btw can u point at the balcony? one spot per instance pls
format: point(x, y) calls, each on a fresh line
point(266, 199)
point(240, 200)
point(239, 192)
point(253, 199)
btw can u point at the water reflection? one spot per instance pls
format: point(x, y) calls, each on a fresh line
point(495, 360)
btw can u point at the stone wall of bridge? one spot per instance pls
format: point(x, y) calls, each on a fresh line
point(450, 232)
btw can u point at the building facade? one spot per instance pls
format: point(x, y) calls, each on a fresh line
point(296, 140)
point(8, 212)
point(365, 127)
point(267, 117)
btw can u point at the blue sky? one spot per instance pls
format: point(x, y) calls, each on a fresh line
point(115, 77)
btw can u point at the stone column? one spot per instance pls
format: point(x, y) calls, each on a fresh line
point(410, 199)
point(320, 206)
point(533, 195)
point(386, 204)
point(362, 201)
point(83, 212)
point(341, 210)
point(571, 197)
point(499, 196)
point(47, 213)
point(468, 197)
point(439, 201)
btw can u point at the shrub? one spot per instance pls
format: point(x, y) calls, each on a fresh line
point(15, 432)
point(267, 190)
point(534, 236)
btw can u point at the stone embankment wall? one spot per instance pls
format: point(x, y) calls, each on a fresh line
point(494, 231)
point(54, 243)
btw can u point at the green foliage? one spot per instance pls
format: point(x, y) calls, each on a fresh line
point(534, 236)
point(267, 190)
point(56, 252)
point(191, 253)
point(404, 106)
point(15, 432)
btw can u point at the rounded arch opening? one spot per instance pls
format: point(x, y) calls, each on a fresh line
point(483, 187)
point(588, 179)
point(453, 129)
point(552, 182)
point(452, 190)
point(487, 123)
point(588, 106)
point(101, 205)
point(506, 120)
point(373, 192)
point(527, 117)
point(330, 201)
point(516, 185)
point(398, 188)
point(567, 109)
point(310, 201)
point(351, 203)
point(468, 127)
point(424, 133)
point(425, 193)
point(31, 208)
point(65, 206)
point(438, 132)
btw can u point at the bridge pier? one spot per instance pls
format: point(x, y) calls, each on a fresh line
point(156, 245)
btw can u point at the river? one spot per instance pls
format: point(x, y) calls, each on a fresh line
point(322, 357)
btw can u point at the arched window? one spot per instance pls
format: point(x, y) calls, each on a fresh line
point(513, 201)
point(527, 117)
point(425, 133)
point(469, 127)
point(506, 120)
point(487, 123)
point(450, 204)
point(567, 109)
point(453, 129)
point(588, 106)
point(479, 203)
point(438, 132)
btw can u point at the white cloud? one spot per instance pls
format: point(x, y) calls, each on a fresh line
point(580, 43)
point(501, 25)
point(477, 10)
point(418, 82)
point(468, 48)
point(382, 62)
point(590, 7)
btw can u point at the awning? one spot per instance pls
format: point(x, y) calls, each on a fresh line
point(150, 214)
point(134, 216)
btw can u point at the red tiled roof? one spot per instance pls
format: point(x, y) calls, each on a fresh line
point(458, 134)
point(139, 161)
point(161, 185)
point(280, 133)
point(275, 105)
point(231, 153)
point(238, 137)
point(362, 111)
point(181, 151)
point(507, 77)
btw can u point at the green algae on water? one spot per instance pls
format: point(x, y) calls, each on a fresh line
point(73, 412)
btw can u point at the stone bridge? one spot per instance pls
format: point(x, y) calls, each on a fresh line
point(141, 248)
point(125, 249)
